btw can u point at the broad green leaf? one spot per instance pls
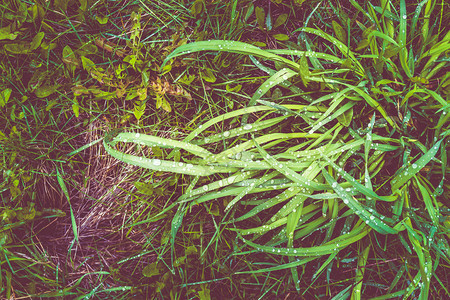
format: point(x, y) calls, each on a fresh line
point(280, 20)
point(341, 34)
point(151, 270)
point(87, 63)
point(281, 37)
point(260, 16)
point(346, 118)
point(70, 59)
point(426, 197)
point(197, 7)
point(208, 75)
point(346, 52)
point(362, 261)
point(359, 187)
point(61, 5)
point(36, 42)
point(76, 108)
point(5, 33)
point(17, 48)
point(144, 188)
point(45, 90)
point(383, 36)
point(304, 70)
point(4, 97)
point(102, 20)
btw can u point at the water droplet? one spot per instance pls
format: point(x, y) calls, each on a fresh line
point(248, 127)
point(157, 162)
point(226, 134)
point(137, 135)
point(414, 166)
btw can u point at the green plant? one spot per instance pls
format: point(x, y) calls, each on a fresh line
point(348, 168)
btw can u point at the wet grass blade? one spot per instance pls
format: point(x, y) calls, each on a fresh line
point(368, 217)
point(228, 46)
point(414, 168)
point(66, 194)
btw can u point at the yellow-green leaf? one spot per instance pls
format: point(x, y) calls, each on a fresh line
point(5, 33)
point(17, 48)
point(4, 96)
point(37, 40)
point(144, 188)
point(190, 250)
point(304, 70)
point(281, 37)
point(102, 20)
point(362, 44)
point(280, 20)
point(208, 76)
point(45, 90)
point(341, 34)
point(151, 270)
point(76, 108)
point(260, 17)
point(346, 118)
point(197, 8)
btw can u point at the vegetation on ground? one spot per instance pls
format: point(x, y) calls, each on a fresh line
point(224, 149)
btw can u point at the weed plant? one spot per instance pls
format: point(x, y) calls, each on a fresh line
point(271, 148)
point(342, 175)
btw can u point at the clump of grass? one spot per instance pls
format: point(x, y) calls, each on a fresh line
point(308, 192)
point(319, 167)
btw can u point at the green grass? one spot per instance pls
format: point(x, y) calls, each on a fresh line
point(210, 149)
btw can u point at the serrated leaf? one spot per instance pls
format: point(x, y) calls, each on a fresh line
point(205, 293)
point(165, 105)
point(179, 261)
